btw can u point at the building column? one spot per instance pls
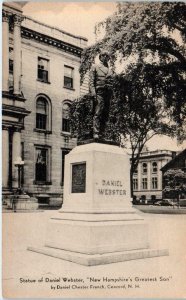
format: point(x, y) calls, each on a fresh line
point(5, 41)
point(17, 54)
point(5, 157)
point(149, 184)
point(159, 175)
point(139, 177)
point(16, 152)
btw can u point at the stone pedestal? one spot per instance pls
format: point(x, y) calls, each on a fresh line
point(24, 202)
point(21, 202)
point(97, 223)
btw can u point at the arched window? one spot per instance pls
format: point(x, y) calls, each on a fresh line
point(43, 113)
point(144, 168)
point(65, 117)
point(154, 167)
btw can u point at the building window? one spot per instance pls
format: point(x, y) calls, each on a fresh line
point(11, 66)
point(41, 113)
point(66, 117)
point(68, 77)
point(42, 165)
point(154, 167)
point(144, 168)
point(43, 68)
point(144, 183)
point(135, 184)
point(154, 183)
point(11, 61)
point(64, 152)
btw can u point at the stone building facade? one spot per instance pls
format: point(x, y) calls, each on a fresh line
point(40, 80)
point(147, 179)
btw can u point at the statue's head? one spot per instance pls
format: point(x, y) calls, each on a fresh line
point(104, 56)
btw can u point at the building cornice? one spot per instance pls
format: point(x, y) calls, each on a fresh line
point(161, 155)
point(13, 97)
point(12, 125)
point(154, 157)
point(12, 110)
point(47, 40)
point(79, 37)
point(14, 7)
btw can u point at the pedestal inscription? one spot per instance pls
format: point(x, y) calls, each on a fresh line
point(111, 188)
point(79, 178)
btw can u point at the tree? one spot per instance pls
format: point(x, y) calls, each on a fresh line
point(152, 34)
point(175, 183)
point(146, 46)
point(81, 117)
point(140, 115)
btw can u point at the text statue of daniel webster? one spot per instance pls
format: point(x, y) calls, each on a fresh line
point(101, 89)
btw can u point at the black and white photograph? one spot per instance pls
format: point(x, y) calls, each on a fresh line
point(93, 149)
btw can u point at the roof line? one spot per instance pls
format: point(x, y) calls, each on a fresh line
point(172, 160)
point(57, 28)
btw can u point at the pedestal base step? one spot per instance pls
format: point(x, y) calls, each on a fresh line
point(99, 259)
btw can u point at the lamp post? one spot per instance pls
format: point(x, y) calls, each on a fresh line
point(19, 163)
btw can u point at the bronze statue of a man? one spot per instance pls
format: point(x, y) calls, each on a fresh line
point(100, 87)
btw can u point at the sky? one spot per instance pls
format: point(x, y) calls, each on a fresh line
point(79, 18)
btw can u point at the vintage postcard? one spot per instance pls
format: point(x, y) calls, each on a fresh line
point(93, 149)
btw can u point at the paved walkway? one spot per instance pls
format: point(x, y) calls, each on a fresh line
point(27, 274)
